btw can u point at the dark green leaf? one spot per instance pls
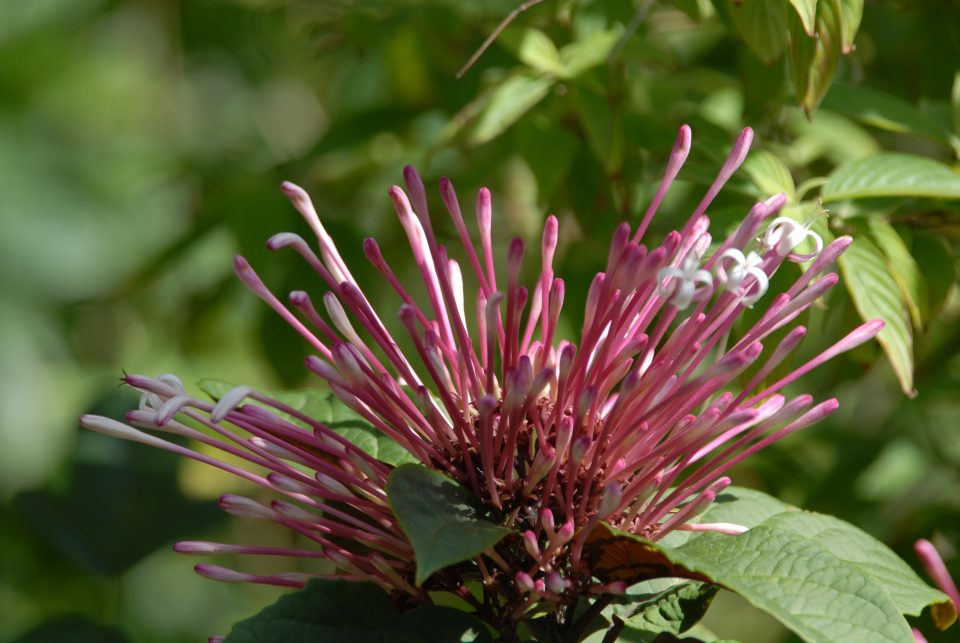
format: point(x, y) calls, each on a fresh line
point(938, 267)
point(877, 295)
point(602, 124)
point(892, 174)
point(327, 611)
point(436, 624)
point(439, 518)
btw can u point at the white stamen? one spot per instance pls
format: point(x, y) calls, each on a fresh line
point(686, 284)
point(784, 234)
point(229, 401)
point(741, 267)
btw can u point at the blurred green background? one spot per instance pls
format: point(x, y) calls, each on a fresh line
point(142, 143)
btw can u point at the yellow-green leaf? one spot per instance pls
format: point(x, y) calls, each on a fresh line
point(876, 294)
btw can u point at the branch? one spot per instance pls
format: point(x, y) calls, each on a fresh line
point(528, 4)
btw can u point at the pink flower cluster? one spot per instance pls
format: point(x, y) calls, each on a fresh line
point(636, 421)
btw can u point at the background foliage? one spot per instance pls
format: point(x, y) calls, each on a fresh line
point(142, 143)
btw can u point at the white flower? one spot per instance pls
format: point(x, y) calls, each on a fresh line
point(685, 284)
point(733, 268)
point(784, 234)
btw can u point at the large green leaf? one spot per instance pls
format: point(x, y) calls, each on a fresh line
point(800, 583)
point(823, 578)
point(326, 407)
point(892, 174)
point(507, 102)
point(876, 294)
point(908, 592)
point(439, 519)
point(329, 611)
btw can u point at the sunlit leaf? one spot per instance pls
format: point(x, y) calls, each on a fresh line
point(769, 174)
point(902, 265)
point(807, 12)
point(439, 518)
point(538, 51)
point(507, 102)
point(877, 295)
point(813, 60)
point(851, 12)
point(589, 52)
point(892, 174)
point(674, 609)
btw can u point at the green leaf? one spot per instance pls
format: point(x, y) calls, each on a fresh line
point(763, 26)
point(583, 55)
point(881, 110)
point(333, 611)
point(438, 516)
point(807, 12)
point(799, 582)
point(327, 611)
point(938, 267)
point(876, 294)
point(851, 12)
point(438, 624)
point(549, 151)
point(770, 175)
point(538, 51)
point(603, 126)
point(674, 609)
point(902, 266)
point(851, 545)
point(823, 578)
point(813, 60)
point(507, 102)
point(327, 408)
point(892, 174)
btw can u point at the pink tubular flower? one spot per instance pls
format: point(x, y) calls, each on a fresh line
point(635, 422)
